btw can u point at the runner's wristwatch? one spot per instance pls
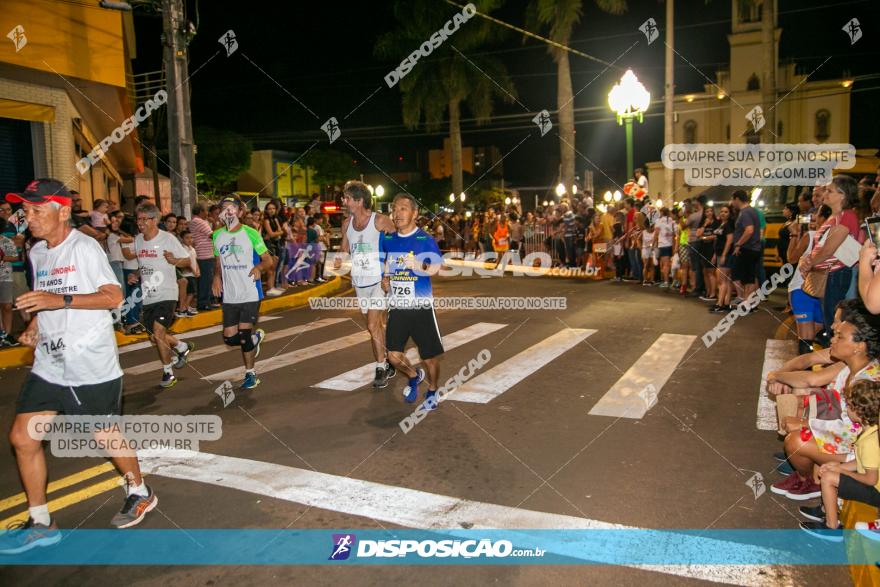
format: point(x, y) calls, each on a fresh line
point(68, 300)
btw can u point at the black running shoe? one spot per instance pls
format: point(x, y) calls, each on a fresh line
point(168, 380)
point(381, 378)
point(815, 513)
point(390, 371)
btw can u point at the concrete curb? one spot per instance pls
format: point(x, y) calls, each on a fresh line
point(22, 356)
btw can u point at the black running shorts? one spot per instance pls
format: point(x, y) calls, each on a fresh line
point(99, 399)
point(849, 488)
point(244, 313)
point(161, 313)
point(420, 325)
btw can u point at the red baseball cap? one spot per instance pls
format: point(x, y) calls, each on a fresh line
point(41, 191)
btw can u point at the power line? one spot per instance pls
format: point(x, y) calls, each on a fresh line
point(309, 136)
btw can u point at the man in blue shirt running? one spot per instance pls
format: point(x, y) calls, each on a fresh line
point(411, 256)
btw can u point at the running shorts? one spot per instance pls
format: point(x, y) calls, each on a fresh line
point(244, 313)
point(420, 325)
point(99, 399)
point(161, 313)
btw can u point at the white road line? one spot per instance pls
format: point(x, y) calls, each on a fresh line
point(776, 353)
point(501, 377)
point(136, 346)
point(422, 510)
point(637, 390)
point(222, 348)
point(351, 380)
point(293, 357)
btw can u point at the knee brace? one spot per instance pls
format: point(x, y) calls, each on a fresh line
point(247, 339)
point(234, 340)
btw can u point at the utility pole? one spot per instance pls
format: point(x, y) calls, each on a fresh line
point(768, 84)
point(669, 97)
point(180, 135)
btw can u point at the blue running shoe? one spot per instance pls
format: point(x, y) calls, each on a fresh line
point(430, 403)
point(411, 391)
point(259, 335)
point(250, 381)
point(24, 536)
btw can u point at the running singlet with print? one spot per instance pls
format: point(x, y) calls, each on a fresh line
point(363, 247)
point(239, 253)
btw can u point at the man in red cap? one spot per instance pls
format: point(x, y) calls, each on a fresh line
point(76, 362)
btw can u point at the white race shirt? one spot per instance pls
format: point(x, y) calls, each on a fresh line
point(158, 277)
point(74, 347)
point(666, 227)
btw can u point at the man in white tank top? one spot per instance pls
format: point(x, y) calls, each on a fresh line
point(360, 239)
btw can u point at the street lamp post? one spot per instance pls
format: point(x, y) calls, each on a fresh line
point(629, 99)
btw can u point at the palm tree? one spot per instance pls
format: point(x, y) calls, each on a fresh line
point(439, 84)
point(560, 17)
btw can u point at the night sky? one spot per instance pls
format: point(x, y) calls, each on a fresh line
point(322, 54)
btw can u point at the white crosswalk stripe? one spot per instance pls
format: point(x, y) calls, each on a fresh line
point(776, 354)
point(222, 348)
point(351, 380)
point(486, 387)
point(293, 357)
point(636, 391)
point(410, 508)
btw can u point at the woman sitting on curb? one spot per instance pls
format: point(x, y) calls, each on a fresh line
point(856, 347)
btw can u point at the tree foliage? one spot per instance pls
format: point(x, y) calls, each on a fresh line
point(222, 156)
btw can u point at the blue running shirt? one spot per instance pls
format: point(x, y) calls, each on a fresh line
point(410, 288)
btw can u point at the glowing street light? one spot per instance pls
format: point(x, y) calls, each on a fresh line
point(461, 196)
point(629, 99)
point(546, 203)
point(617, 195)
point(560, 190)
point(574, 189)
point(451, 197)
point(607, 196)
point(507, 200)
point(659, 203)
point(370, 188)
point(380, 191)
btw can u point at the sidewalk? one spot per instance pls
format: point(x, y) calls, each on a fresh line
point(293, 298)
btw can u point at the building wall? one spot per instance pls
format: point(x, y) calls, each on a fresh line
point(58, 135)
